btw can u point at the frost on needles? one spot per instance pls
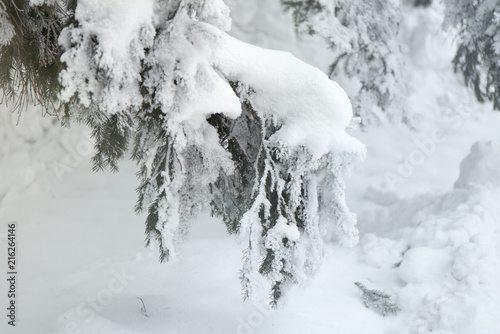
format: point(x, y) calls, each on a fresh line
point(478, 53)
point(363, 36)
point(377, 300)
point(255, 134)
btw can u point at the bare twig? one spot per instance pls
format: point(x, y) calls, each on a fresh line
point(143, 308)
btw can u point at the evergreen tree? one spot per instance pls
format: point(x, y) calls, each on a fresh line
point(478, 53)
point(207, 126)
point(364, 38)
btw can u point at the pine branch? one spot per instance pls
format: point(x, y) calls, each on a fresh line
point(29, 61)
point(377, 300)
point(111, 142)
point(477, 55)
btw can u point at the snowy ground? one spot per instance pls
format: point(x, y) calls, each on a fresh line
point(429, 224)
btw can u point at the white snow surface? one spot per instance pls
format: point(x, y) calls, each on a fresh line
point(427, 205)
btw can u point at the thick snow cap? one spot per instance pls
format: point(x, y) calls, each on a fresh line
point(313, 110)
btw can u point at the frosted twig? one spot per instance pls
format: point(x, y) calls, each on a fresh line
point(378, 300)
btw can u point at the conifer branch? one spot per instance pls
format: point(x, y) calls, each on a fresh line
point(377, 300)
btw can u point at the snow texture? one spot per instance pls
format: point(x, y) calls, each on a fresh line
point(449, 269)
point(120, 33)
point(432, 241)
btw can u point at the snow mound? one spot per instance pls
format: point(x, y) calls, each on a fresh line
point(424, 264)
point(449, 274)
point(481, 165)
point(380, 252)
